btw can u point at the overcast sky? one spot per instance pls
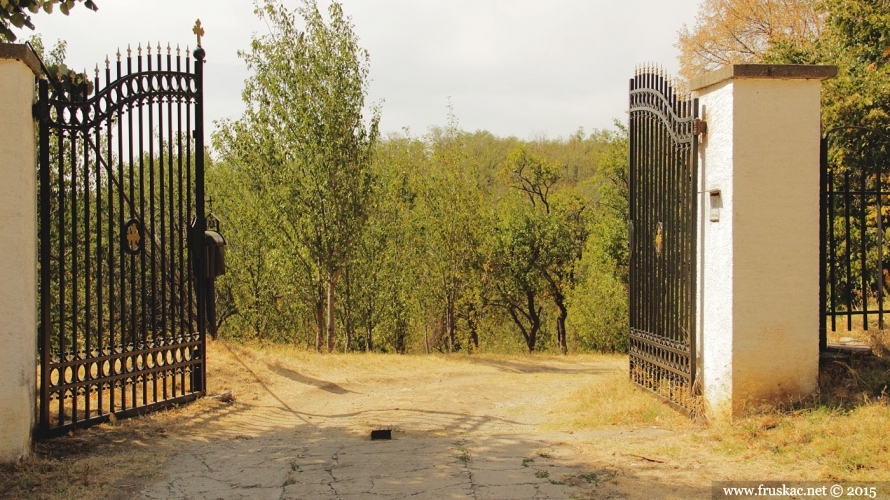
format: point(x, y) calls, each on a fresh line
point(526, 68)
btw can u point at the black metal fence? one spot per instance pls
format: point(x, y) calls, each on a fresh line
point(121, 197)
point(663, 180)
point(855, 216)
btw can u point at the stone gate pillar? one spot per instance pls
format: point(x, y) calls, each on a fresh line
point(758, 227)
point(18, 251)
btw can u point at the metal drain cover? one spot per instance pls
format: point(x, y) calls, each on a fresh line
point(381, 434)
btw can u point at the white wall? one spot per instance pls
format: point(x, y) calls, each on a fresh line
point(18, 258)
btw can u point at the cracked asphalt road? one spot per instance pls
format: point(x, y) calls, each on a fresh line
point(475, 429)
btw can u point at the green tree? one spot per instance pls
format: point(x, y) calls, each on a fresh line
point(304, 134)
point(18, 13)
point(598, 303)
point(541, 240)
point(450, 224)
point(517, 249)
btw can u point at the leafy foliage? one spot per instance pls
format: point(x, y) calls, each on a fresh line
point(742, 31)
point(598, 304)
point(18, 13)
point(304, 144)
point(452, 241)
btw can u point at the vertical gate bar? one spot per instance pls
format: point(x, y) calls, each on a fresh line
point(651, 186)
point(646, 173)
point(112, 297)
point(75, 347)
point(631, 203)
point(132, 215)
point(692, 252)
point(199, 209)
point(631, 271)
point(45, 257)
point(188, 169)
point(87, 200)
point(100, 261)
point(155, 339)
point(651, 213)
point(684, 199)
point(879, 218)
point(849, 283)
point(658, 198)
point(62, 282)
point(122, 274)
point(147, 242)
point(823, 238)
point(183, 225)
point(657, 172)
point(832, 241)
point(131, 260)
point(170, 213)
point(674, 245)
point(644, 237)
point(650, 179)
point(162, 202)
point(673, 237)
point(661, 175)
point(863, 269)
point(672, 206)
point(662, 169)
point(668, 204)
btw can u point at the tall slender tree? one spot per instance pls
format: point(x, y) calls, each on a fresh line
point(305, 134)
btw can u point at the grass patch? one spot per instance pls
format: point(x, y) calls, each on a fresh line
point(839, 434)
point(542, 474)
point(842, 429)
point(464, 455)
point(614, 400)
point(106, 461)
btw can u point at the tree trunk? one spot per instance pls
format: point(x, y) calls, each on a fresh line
point(561, 324)
point(535, 319)
point(332, 325)
point(369, 329)
point(474, 332)
point(426, 337)
point(450, 332)
point(348, 327)
point(319, 320)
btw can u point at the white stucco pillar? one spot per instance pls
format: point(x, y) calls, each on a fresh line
point(18, 251)
point(758, 283)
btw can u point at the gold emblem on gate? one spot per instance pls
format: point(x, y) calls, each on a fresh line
point(659, 238)
point(132, 237)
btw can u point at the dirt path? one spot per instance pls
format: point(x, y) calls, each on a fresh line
point(462, 427)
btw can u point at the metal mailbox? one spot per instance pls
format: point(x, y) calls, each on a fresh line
point(216, 254)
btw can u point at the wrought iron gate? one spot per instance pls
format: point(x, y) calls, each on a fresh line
point(121, 198)
point(663, 180)
point(854, 221)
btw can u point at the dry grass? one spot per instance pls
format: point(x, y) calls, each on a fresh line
point(106, 461)
point(615, 401)
point(840, 434)
point(111, 461)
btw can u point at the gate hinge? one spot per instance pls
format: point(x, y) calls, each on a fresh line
point(699, 127)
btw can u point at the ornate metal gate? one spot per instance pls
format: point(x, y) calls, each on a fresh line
point(663, 185)
point(121, 195)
